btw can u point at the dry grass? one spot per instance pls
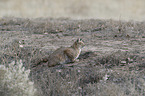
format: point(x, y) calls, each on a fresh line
point(112, 62)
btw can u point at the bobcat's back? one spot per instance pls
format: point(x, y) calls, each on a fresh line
point(57, 57)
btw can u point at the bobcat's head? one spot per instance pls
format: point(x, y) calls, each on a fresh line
point(79, 43)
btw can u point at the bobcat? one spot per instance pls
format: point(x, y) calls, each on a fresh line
point(65, 55)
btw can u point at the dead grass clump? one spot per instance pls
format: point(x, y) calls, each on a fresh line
point(65, 81)
point(117, 82)
point(110, 60)
point(104, 89)
point(132, 81)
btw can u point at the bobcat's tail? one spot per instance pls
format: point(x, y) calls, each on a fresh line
point(43, 60)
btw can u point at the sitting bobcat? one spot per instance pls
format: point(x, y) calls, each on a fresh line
point(65, 54)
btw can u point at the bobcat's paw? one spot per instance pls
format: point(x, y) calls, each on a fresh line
point(77, 60)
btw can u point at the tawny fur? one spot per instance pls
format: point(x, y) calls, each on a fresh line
point(65, 55)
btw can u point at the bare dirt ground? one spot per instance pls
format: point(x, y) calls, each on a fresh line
point(111, 63)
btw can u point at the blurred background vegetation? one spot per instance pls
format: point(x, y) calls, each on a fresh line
point(75, 9)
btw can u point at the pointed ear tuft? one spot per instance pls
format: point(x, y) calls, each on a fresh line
point(78, 39)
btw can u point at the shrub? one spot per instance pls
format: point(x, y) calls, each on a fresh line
point(14, 80)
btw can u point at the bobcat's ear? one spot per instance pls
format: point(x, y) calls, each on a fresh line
point(78, 40)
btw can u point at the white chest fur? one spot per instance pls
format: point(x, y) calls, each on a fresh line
point(78, 53)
